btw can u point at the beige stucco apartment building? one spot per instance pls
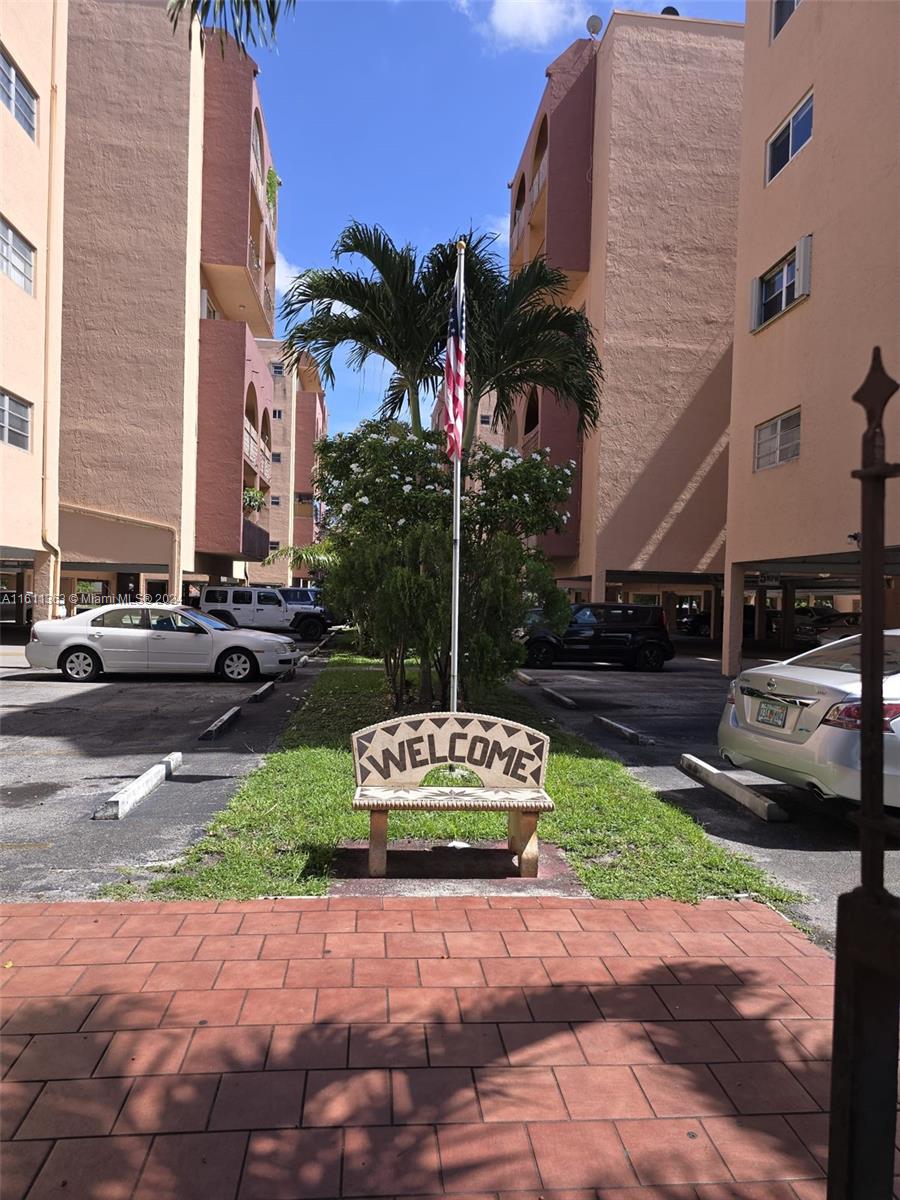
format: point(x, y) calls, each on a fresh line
point(817, 286)
point(32, 150)
point(629, 183)
point(299, 420)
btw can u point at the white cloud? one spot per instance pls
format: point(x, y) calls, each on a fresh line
point(500, 226)
point(527, 24)
point(284, 272)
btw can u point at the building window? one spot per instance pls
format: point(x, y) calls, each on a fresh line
point(274, 546)
point(790, 138)
point(276, 456)
point(257, 144)
point(212, 313)
point(277, 414)
point(303, 497)
point(275, 501)
point(782, 285)
point(16, 257)
point(484, 418)
point(17, 95)
point(277, 368)
point(15, 421)
point(777, 441)
point(782, 11)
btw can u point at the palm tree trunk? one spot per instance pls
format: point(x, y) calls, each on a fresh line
point(471, 422)
point(415, 416)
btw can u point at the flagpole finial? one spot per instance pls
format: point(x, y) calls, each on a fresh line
point(461, 245)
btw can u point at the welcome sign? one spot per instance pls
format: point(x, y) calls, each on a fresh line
point(402, 752)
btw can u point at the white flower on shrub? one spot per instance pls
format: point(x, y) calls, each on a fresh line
point(565, 517)
point(407, 487)
point(346, 508)
point(364, 499)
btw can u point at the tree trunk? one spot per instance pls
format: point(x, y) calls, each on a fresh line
point(471, 422)
point(415, 416)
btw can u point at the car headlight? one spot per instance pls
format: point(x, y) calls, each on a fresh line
point(279, 646)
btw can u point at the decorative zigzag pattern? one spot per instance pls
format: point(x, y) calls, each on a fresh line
point(439, 799)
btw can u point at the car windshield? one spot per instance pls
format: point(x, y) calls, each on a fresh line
point(300, 595)
point(846, 656)
point(206, 619)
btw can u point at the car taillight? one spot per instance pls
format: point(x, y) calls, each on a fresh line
point(729, 699)
point(849, 715)
point(33, 637)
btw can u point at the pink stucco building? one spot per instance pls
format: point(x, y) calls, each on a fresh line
point(628, 182)
point(817, 286)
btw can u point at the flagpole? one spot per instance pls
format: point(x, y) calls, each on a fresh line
point(457, 496)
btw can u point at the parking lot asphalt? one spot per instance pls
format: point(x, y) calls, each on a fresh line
point(815, 852)
point(68, 746)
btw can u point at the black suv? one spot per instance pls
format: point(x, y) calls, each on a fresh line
point(632, 634)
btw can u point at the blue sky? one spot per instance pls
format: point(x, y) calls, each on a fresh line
point(411, 114)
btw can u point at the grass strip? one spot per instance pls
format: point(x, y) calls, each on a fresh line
point(278, 834)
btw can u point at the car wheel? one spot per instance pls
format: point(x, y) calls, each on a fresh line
point(540, 654)
point(650, 658)
point(81, 666)
point(237, 666)
point(225, 617)
point(309, 629)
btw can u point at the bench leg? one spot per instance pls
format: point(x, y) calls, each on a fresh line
point(514, 831)
point(528, 845)
point(378, 843)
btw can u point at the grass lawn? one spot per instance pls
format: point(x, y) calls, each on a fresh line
point(277, 835)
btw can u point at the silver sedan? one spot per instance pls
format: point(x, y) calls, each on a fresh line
point(799, 721)
point(158, 637)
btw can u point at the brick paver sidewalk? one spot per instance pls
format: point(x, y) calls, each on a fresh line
point(400, 1047)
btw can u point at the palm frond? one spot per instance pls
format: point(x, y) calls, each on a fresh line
point(318, 556)
point(249, 22)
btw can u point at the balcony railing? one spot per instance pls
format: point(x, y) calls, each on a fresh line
point(264, 468)
point(251, 445)
point(268, 303)
point(253, 261)
point(537, 183)
point(530, 443)
point(518, 228)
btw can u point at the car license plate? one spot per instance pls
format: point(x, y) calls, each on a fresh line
point(772, 712)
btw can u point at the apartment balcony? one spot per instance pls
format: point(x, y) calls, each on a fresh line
point(538, 183)
point(237, 237)
point(269, 304)
point(233, 434)
point(254, 541)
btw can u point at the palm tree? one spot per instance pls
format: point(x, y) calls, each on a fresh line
point(396, 309)
point(520, 337)
point(248, 21)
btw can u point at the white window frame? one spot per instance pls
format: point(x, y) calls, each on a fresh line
point(18, 96)
point(782, 446)
point(277, 414)
point(17, 264)
point(7, 399)
point(275, 502)
point(277, 369)
point(276, 456)
point(773, 32)
point(273, 546)
point(801, 256)
point(484, 418)
point(788, 123)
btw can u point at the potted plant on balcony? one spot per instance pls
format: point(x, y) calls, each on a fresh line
point(254, 500)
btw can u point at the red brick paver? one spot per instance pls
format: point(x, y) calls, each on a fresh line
point(310, 1049)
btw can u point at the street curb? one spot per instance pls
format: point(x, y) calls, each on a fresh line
point(565, 701)
point(262, 693)
point(625, 732)
point(522, 677)
point(219, 726)
point(121, 803)
point(760, 806)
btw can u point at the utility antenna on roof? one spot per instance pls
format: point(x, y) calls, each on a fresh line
point(594, 25)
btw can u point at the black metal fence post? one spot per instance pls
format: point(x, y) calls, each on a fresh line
point(867, 969)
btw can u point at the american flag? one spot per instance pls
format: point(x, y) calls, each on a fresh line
point(455, 365)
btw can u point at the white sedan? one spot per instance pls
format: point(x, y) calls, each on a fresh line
point(799, 721)
point(160, 637)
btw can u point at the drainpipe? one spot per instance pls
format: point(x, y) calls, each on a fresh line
point(172, 530)
point(51, 547)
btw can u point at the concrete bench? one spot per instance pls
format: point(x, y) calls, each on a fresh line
point(392, 758)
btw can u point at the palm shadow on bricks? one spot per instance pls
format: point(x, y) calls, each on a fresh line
point(698, 1078)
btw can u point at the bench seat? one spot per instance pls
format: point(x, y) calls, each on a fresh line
point(522, 805)
point(453, 799)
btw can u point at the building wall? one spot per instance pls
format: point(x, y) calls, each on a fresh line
point(843, 188)
point(666, 152)
point(311, 426)
point(280, 516)
point(31, 193)
point(128, 387)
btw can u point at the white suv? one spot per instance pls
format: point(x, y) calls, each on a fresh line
point(255, 607)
